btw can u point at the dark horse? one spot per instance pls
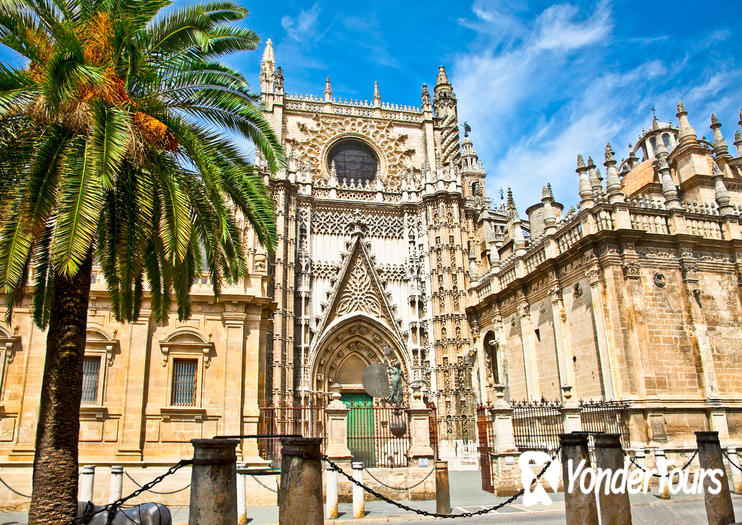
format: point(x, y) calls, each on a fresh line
point(144, 514)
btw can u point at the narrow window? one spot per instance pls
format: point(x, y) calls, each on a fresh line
point(184, 382)
point(90, 372)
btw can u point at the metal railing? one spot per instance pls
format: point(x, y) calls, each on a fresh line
point(371, 434)
point(537, 424)
point(306, 420)
point(606, 416)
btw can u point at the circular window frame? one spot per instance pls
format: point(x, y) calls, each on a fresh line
point(325, 155)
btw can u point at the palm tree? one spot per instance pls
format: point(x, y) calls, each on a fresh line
point(118, 146)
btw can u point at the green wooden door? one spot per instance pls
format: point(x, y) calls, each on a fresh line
point(360, 427)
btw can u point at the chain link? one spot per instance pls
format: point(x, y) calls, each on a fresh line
point(274, 491)
point(637, 465)
point(111, 508)
point(401, 489)
point(165, 493)
point(11, 489)
point(732, 463)
point(435, 514)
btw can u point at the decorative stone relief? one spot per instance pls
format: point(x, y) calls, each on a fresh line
point(659, 279)
point(359, 294)
point(338, 222)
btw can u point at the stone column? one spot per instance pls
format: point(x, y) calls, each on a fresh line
point(337, 430)
point(504, 447)
point(571, 412)
point(419, 429)
point(736, 473)
point(580, 508)
point(719, 509)
point(132, 415)
point(359, 510)
point(615, 508)
point(213, 482)
point(251, 371)
point(87, 483)
point(241, 494)
point(561, 337)
point(331, 501)
point(594, 275)
point(660, 460)
point(117, 483)
point(233, 385)
point(300, 493)
point(530, 357)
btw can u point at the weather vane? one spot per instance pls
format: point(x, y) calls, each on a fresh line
point(467, 129)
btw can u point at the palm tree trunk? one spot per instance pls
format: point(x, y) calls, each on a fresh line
point(55, 472)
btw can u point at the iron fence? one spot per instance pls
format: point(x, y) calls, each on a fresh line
point(486, 432)
point(308, 420)
point(537, 424)
point(606, 416)
point(371, 434)
point(433, 427)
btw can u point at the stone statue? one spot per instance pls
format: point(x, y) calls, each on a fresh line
point(395, 382)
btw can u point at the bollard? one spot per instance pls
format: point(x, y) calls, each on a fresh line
point(663, 487)
point(300, 493)
point(331, 505)
point(117, 483)
point(86, 484)
point(719, 510)
point(615, 508)
point(580, 508)
point(442, 493)
point(213, 482)
point(736, 473)
point(241, 510)
point(359, 509)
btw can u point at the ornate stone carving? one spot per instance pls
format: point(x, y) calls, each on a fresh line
point(338, 222)
point(659, 279)
point(359, 294)
point(631, 270)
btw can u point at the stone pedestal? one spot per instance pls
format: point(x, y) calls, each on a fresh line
point(359, 508)
point(615, 508)
point(300, 493)
point(86, 483)
point(419, 429)
point(331, 501)
point(214, 482)
point(719, 510)
point(734, 471)
point(117, 483)
point(580, 508)
point(663, 488)
point(337, 430)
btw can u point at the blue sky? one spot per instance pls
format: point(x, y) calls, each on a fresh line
point(538, 82)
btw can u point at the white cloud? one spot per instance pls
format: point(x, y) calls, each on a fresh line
point(558, 29)
point(303, 25)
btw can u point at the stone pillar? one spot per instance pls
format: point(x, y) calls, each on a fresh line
point(337, 430)
point(615, 508)
point(232, 381)
point(442, 492)
point(87, 482)
point(580, 508)
point(736, 473)
point(300, 493)
point(719, 509)
point(331, 501)
point(251, 373)
point(132, 414)
point(117, 483)
point(419, 429)
point(530, 355)
point(213, 482)
point(571, 412)
point(241, 494)
point(359, 510)
point(660, 460)
point(594, 276)
point(561, 337)
point(502, 417)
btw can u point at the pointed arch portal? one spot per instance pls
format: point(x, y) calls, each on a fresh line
point(349, 345)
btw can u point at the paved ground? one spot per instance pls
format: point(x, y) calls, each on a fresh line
point(467, 496)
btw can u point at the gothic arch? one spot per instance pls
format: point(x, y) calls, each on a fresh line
point(357, 336)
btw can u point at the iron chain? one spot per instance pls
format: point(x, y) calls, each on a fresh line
point(377, 480)
point(637, 465)
point(274, 491)
point(722, 451)
point(11, 489)
point(435, 514)
point(165, 493)
point(89, 513)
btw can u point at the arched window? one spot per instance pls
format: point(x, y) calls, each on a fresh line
point(666, 140)
point(490, 352)
point(354, 160)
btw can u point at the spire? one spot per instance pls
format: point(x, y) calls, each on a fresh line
point(268, 52)
point(516, 232)
point(333, 175)
point(720, 190)
point(328, 90)
point(547, 197)
point(585, 190)
point(511, 203)
point(738, 142)
point(278, 82)
point(668, 186)
point(267, 68)
point(612, 182)
point(720, 145)
point(633, 159)
point(686, 133)
point(442, 79)
point(596, 184)
point(377, 96)
point(425, 106)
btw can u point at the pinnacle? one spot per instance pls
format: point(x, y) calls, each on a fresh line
point(268, 52)
point(580, 162)
point(714, 120)
point(442, 77)
point(681, 108)
point(609, 153)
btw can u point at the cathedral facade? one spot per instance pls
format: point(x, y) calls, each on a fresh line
point(389, 251)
